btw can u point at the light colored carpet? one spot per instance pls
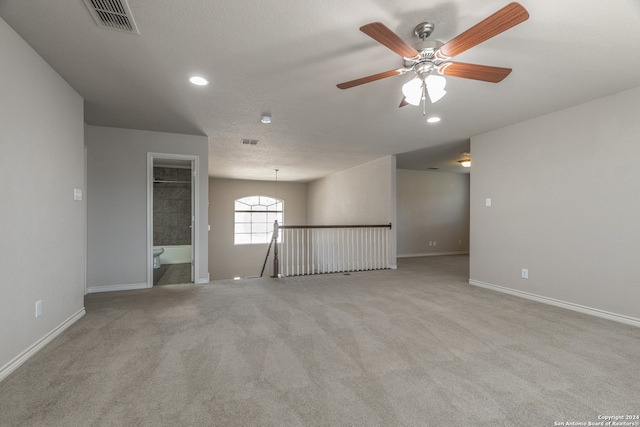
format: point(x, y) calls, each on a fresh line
point(412, 347)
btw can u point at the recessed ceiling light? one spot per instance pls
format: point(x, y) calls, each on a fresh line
point(433, 119)
point(265, 119)
point(200, 81)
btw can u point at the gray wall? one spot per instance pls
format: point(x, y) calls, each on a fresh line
point(42, 255)
point(365, 194)
point(432, 207)
point(117, 202)
point(227, 260)
point(565, 205)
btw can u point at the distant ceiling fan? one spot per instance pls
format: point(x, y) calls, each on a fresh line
point(430, 60)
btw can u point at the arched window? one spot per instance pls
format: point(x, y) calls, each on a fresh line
point(254, 217)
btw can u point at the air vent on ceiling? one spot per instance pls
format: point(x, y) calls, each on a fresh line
point(250, 141)
point(113, 14)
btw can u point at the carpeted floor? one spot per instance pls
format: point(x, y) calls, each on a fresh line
point(412, 347)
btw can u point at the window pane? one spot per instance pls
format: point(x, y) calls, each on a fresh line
point(251, 200)
point(242, 239)
point(243, 217)
point(259, 227)
point(243, 227)
point(275, 206)
point(267, 201)
point(255, 225)
point(239, 206)
point(259, 217)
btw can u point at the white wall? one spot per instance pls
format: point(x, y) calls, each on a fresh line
point(432, 207)
point(117, 202)
point(42, 255)
point(565, 206)
point(227, 260)
point(365, 194)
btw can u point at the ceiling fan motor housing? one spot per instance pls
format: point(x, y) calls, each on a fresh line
point(427, 49)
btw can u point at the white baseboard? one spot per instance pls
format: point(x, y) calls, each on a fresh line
point(433, 254)
point(15, 363)
point(202, 281)
point(113, 288)
point(562, 304)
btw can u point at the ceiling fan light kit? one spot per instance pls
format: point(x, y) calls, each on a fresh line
point(430, 60)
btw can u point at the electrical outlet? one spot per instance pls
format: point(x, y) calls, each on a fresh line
point(38, 308)
point(434, 243)
point(525, 273)
point(430, 243)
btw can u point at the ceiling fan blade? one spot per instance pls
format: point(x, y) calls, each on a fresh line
point(507, 17)
point(383, 35)
point(484, 73)
point(373, 78)
point(403, 102)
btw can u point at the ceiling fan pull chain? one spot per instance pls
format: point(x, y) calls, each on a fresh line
point(424, 98)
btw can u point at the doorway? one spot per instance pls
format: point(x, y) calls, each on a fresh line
point(172, 250)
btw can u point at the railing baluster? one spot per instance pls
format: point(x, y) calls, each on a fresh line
point(289, 258)
point(377, 233)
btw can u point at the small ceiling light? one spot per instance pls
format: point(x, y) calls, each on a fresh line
point(466, 162)
point(433, 119)
point(266, 119)
point(200, 81)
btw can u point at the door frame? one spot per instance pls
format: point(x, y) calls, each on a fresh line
point(195, 213)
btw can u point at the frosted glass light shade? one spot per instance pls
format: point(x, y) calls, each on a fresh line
point(435, 87)
point(412, 91)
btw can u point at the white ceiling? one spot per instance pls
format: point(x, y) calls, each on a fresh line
point(285, 58)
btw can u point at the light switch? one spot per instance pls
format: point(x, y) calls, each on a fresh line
point(77, 194)
point(487, 201)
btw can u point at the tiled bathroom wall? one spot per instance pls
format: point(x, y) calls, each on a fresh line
point(171, 206)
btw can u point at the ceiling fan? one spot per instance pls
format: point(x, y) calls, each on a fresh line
point(430, 60)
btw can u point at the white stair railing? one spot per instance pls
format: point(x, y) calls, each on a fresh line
point(307, 249)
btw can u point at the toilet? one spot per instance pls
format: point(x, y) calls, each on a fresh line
point(156, 253)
